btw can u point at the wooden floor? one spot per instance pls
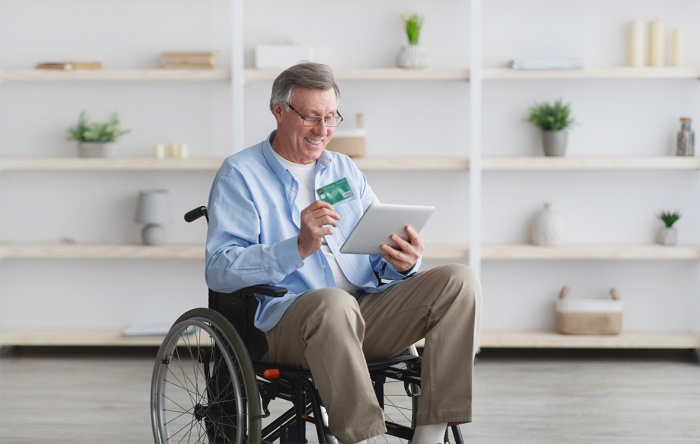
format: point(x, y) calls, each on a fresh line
point(88, 396)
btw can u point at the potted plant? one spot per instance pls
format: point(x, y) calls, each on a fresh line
point(668, 235)
point(95, 139)
point(413, 55)
point(553, 119)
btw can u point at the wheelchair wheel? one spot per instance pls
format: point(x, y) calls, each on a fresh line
point(400, 403)
point(204, 388)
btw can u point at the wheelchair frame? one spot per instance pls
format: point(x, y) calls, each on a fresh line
point(208, 385)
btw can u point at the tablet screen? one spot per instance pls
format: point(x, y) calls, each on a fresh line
point(381, 221)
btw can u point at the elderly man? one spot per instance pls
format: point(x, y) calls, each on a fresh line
point(268, 227)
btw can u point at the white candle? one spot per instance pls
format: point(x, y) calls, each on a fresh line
point(174, 150)
point(159, 151)
point(636, 43)
point(184, 151)
point(656, 43)
point(678, 48)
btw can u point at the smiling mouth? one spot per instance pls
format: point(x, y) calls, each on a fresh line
point(313, 142)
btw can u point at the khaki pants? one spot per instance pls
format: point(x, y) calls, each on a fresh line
point(333, 334)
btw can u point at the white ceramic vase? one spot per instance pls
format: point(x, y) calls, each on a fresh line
point(413, 56)
point(548, 227)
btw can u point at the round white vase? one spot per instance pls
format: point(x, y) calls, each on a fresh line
point(548, 227)
point(153, 234)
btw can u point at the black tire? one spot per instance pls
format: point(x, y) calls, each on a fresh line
point(204, 388)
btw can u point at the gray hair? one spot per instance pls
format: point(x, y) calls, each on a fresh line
point(304, 75)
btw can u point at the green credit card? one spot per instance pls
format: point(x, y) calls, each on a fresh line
point(335, 192)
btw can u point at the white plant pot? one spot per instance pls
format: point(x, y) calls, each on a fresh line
point(95, 149)
point(548, 228)
point(413, 56)
point(668, 236)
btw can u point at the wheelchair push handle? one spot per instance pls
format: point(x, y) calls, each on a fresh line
point(196, 213)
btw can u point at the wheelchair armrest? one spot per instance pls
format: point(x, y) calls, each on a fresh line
point(240, 308)
point(266, 290)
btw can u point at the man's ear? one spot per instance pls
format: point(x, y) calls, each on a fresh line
point(277, 112)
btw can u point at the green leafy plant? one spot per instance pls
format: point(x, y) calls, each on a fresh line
point(414, 22)
point(551, 116)
point(86, 131)
point(669, 218)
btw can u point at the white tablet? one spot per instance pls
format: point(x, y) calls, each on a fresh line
point(381, 221)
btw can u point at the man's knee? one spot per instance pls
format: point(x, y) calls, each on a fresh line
point(332, 310)
point(460, 278)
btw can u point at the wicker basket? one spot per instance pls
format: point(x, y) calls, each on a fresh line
point(589, 316)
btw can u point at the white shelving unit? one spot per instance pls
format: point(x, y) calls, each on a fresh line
point(474, 164)
point(581, 167)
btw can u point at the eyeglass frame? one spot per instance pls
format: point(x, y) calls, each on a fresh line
point(320, 119)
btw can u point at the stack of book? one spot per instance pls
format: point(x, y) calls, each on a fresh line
point(67, 66)
point(189, 60)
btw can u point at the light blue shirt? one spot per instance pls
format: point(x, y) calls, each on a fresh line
point(254, 227)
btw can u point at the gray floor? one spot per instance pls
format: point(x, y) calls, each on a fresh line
point(102, 396)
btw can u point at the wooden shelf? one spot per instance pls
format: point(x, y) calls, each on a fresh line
point(175, 251)
point(109, 164)
point(587, 251)
point(432, 252)
point(373, 74)
point(430, 74)
point(212, 164)
point(70, 338)
point(489, 339)
point(632, 340)
point(365, 163)
point(94, 251)
point(591, 163)
point(622, 73)
point(113, 75)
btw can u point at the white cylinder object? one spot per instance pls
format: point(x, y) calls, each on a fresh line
point(184, 151)
point(636, 43)
point(153, 207)
point(159, 151)
point(657, 43)
point(678, 48)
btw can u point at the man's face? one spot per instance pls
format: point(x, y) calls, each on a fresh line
point(299, 143)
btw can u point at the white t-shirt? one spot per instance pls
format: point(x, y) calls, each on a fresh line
point(304, 174)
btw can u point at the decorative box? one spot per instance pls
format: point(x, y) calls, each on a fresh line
point(589, 316)
point(350, 142)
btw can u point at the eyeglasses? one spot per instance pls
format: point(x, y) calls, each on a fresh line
point(329, 121)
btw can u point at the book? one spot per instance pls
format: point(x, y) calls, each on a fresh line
point(189, 60)
point(68, 66)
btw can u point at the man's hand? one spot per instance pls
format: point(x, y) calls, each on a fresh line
point(316, 220)
point(405, 257)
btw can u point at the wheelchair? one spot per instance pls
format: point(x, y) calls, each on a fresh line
point(208, 385)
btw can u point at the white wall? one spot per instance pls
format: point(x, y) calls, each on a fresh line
point(615, 117)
